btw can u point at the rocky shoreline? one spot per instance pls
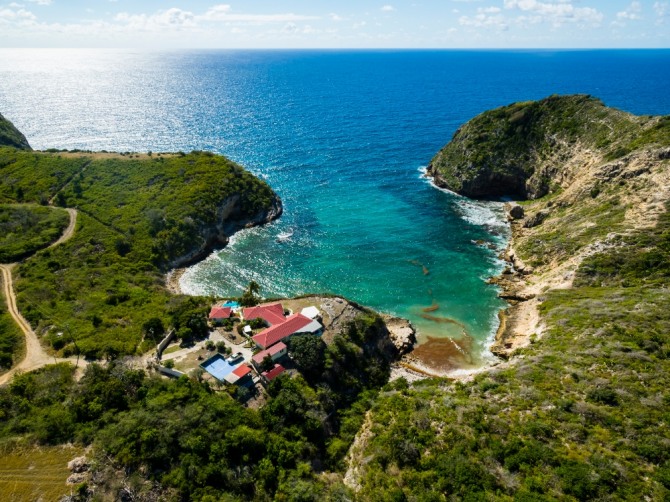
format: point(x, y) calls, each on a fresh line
point(520, 321)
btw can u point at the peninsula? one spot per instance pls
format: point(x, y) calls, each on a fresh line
point(579, 410)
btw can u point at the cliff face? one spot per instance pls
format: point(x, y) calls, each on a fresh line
point(11, 136)
point(230, 219)
point(530, 149)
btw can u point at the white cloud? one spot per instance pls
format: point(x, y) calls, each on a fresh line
point(335, 17)
point(223, 12)
point(173, 18)
point(631, 13)
point(488, 17)
point(388, 8)
point(41, 2)
point(16, 16)
point(290, 28)
point(661, 9)
point(557, 13)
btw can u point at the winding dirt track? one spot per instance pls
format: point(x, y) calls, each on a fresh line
point(35, 356)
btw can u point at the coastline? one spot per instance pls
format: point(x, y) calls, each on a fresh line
point(172, 280)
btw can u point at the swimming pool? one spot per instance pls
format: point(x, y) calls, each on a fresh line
point(217, 366)
point(231, 304)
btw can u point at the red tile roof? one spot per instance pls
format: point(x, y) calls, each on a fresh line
point(220, 312)
point(277, 347)
point(272, 314)
point(293, 324)
point(242, 370)
point(274, 372)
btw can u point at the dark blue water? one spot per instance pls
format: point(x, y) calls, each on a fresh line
point(341, 137)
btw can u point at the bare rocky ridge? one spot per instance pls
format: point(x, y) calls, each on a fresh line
point(640, 182)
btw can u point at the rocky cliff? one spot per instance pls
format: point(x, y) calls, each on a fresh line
point(229, 219)
point(575, 413)
point(11, 136)
point(530, 149)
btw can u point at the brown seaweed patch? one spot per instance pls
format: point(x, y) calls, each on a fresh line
point(424, 269)
point(443, 320)
point(445, 353)
point(432, 308)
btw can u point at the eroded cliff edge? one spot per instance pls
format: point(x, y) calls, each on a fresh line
point(585, 175)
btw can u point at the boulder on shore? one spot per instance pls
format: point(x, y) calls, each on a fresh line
point(514, 210)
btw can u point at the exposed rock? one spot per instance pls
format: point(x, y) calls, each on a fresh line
point(401, 333)
point(77, 478)
point(536, 219)
point(514, 210)
point(79, 464)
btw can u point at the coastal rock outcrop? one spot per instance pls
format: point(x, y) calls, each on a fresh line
point(529, 149)
point(401, 333)
point(11, 136)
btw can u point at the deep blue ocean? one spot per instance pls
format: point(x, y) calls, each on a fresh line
point(341, 136)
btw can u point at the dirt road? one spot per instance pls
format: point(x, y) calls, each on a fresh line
point(35, 355)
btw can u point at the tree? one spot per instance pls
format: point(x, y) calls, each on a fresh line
point(267, 363)
point(61, 200)
point(154, 328)
point(250, 298)
point(309, 354)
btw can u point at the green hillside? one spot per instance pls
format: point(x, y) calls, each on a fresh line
point(138, 216)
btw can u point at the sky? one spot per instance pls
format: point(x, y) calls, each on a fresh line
point(171, 24)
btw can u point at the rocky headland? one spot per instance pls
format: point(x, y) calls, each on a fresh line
point(585, 175)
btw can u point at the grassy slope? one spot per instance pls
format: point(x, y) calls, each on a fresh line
point(135, 215)
point(26, 228)
point(579, 415)
point(36, 473)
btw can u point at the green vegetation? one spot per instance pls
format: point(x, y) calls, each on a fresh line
point(578, 418)
point(26, 228)
point(136, 217)
point(11, 136)
point(198, 444)
point(518, 149)
point(11, 337)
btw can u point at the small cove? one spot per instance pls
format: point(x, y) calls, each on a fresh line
point(341, 136)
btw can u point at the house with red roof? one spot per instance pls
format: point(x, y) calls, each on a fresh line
point(294, 324)
point(268, 376)
point(239, 376)
point(218, 314)
point(277, 351)
point(272, 314)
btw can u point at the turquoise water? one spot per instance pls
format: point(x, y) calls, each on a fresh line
point(342, 137)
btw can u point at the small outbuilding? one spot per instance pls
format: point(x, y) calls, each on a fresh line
point(268, 376)
point(311, 312)
point(277, 351)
